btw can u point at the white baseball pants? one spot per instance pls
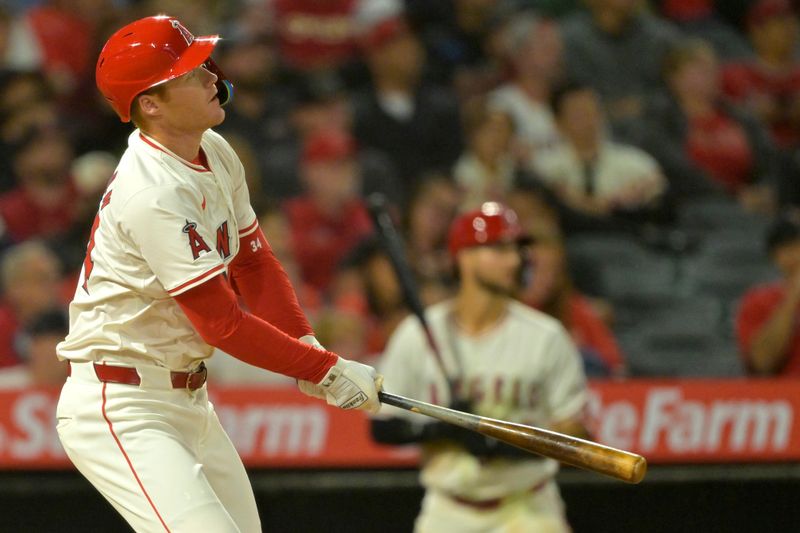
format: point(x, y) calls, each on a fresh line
point(541, 511)
point(159, 455)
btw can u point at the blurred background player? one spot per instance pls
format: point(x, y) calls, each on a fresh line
point(505, 361)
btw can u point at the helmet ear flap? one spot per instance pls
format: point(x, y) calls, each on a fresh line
point(224, 85)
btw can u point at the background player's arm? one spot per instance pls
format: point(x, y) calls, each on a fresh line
point(565, 387)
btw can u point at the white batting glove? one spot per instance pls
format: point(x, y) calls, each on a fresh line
point(352, 385)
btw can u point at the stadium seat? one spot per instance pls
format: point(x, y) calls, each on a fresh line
point(619, 266)
point(633, 310)
point(718, 213)
point(681, 348)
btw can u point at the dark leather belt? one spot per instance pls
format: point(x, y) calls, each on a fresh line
point(494, 503)
point(127, 375)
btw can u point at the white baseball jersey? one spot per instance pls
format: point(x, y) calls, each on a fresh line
point(525, 369)
point(164, 225)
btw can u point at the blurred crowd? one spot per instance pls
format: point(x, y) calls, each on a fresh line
point(652, 149)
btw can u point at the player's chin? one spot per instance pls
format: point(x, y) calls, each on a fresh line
point(217, 116)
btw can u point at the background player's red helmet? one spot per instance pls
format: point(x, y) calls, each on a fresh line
point(148, 52)
point(491, 223)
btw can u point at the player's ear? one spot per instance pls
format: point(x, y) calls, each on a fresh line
point(149, 105)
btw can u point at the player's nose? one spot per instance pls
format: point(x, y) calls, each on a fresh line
point(210, 77)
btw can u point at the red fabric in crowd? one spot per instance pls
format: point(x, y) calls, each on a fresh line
point(24, 218)
point(718, 144)
point(313, 34)
point(757, 307)
point(750, 81)
point(214, 311)
point(320, 241)
point(687, 10)
point(66, 40)
point(9, 327)
point(257, 275)
point(587, 329)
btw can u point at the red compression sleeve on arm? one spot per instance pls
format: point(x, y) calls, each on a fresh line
point(214, 312)
point(257, 275)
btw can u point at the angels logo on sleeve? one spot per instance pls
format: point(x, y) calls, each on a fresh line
point(196, 241)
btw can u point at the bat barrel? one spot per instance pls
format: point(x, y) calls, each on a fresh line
point(619, 464)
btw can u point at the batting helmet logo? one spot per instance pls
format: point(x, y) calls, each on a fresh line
point(187, 35)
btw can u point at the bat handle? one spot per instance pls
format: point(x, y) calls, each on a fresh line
point(395, 400)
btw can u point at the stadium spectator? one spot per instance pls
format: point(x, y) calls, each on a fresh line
point(549, 284)
point(319, 101)
point(461, 41)
point(275, 225)
point(258, 115)
point(618, 49)
point(37, 342)
point(27, 102)
point(58, 38)
point(91, 173)
point(769, 83)
point(699, 18)
point(432, 208)
point(43, 203)
point(767, 320)
point(550, 290)
point(315, 36)
point(535, 53)
point(591, 173)
point(329, 219)
point(486, 169)
point(30, 279)
point(366, 286)
point(415, 124)
point(703, 144)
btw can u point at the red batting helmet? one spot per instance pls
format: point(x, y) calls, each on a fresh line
point(148, 52)
point(490, 224)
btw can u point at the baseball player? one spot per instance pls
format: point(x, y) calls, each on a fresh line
point(175, 240)
point(503, 360)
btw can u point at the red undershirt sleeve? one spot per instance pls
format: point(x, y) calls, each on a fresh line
point(214, 312)
point(258, 277)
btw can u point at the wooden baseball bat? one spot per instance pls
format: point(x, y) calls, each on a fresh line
point(585, 454)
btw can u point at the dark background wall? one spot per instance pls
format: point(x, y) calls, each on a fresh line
point(735, 498)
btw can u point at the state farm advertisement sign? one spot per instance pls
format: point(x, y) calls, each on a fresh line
point(666, 421)
point(699, 421)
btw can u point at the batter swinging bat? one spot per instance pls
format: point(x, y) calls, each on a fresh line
point(585, 454)
point(393, 244)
